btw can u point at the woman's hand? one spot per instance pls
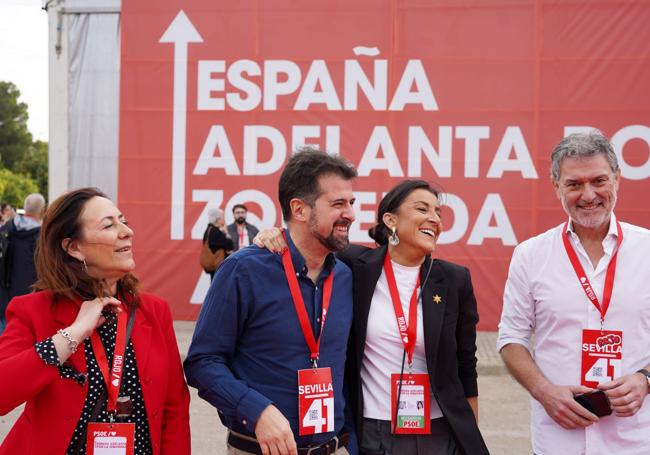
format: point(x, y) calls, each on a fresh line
point(90, 315)
point(271, 239)
point(88, 319)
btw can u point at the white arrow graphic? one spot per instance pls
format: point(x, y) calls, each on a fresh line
point(180, 32)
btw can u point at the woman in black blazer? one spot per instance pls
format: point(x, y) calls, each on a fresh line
point(381, 356)
point(408, 226)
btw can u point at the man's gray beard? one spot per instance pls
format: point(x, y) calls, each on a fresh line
point(591, 222)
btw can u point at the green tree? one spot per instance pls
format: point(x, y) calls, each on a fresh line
point(15, 137)
point(14, 188)
point(20, 155)
point(34, 164)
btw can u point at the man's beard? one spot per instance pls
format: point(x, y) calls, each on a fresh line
point(331, 242)
point(240, 220)
point(591, 221)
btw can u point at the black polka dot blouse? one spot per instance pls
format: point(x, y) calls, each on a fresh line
point(130, 387)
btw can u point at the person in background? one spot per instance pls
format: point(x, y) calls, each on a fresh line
point(17, 268)
point(7, 212)
point(413, 338)
point(88, 348)
point(217, 235)
point(241, 232)
point(583, 290)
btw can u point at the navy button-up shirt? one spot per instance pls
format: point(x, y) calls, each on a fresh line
point(248, 344)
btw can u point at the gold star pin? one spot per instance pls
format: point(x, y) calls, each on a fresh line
point(437, 299)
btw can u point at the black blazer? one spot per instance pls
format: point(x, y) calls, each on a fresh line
point(449, 337)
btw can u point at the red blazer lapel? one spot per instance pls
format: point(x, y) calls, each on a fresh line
point(141, 338)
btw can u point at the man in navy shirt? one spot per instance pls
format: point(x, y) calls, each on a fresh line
point(256, 333)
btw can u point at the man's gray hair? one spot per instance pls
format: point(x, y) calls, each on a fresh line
point(214, 215)
point(34, 204)
point(579, 145)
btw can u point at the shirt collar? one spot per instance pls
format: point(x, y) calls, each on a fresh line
point(298, 260)
point(609, 242)
point(612, 231)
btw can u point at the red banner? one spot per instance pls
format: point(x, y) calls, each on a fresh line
point(473, 96)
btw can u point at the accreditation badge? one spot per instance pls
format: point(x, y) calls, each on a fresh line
point(410, 403)
point(110, 438)
point(602, 354)
point(315, 401)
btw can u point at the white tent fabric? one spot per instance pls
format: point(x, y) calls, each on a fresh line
point(93, 90)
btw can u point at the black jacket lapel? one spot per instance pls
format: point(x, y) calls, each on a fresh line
point(434, 297)
point(367, 270)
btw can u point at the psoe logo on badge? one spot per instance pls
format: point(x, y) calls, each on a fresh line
point(411, 423)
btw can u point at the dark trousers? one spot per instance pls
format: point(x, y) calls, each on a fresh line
point(377, 439)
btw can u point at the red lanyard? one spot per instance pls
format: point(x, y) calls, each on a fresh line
point(299, 303)
point(114, 378)
point(407, 333)
point(582, 276)
point(241, 237)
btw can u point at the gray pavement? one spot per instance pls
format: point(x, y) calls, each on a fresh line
point(504, 406)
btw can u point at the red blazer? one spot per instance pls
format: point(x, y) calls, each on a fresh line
point(53, 405)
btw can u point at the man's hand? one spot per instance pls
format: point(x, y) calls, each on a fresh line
point(274, 434)
point(559, 404)
point(626, 394)
point(271, 239)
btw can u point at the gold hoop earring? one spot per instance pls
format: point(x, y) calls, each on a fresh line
point(84, 266)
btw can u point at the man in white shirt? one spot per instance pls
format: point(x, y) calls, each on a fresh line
point(583, 289)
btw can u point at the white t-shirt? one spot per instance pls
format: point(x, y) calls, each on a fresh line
point(384, 348)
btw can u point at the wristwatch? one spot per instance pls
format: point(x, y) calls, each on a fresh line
point(645, 373)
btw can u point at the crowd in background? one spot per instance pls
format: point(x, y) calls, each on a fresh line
point(18, 235)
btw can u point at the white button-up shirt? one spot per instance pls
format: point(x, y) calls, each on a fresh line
point(543, 296)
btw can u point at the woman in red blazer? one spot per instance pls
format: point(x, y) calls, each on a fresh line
point(87, 350)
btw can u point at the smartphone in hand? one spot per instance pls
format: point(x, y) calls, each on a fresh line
point(595, 402)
